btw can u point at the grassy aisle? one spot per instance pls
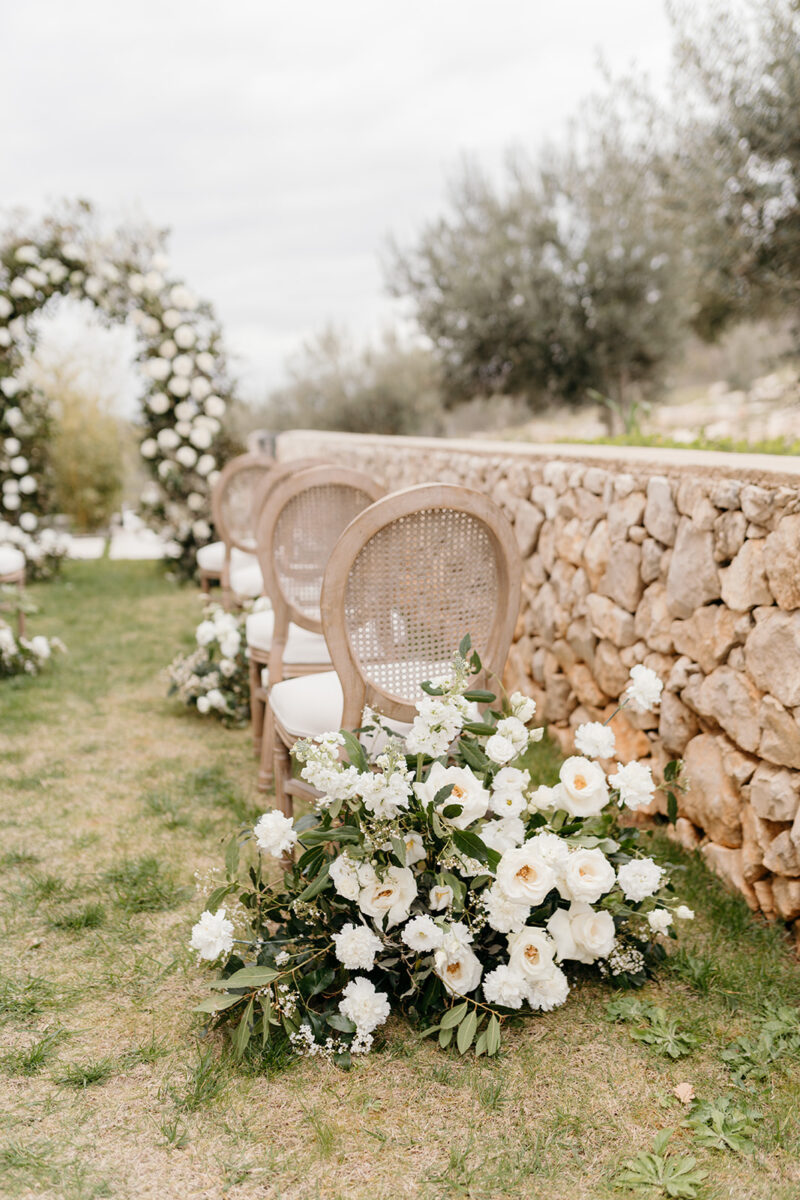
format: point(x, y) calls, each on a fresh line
point(112, 798)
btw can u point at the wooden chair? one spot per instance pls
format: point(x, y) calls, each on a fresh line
point(299, 525)
point(12, 574)
point(231, 507)
point(407, 579)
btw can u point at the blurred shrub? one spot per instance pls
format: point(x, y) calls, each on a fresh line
point(87, 460)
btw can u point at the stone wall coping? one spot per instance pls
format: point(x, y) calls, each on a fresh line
point(755, 468)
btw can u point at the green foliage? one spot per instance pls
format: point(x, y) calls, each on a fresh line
point(31, 1059)
point(662, 1174)
point(87, 459)
point(750, 1059)
point(653, 1026)
point(88, 916)
point(83, 1075)
point(143, 885)
point(723, 1125)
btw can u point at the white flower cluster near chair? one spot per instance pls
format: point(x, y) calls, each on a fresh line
point(128, 277)
point(25, 656)
point(214, 678)
point(438, 877)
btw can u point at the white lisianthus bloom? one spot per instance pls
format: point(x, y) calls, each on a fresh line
point(415, 849)
point(179, 386)
point(639, 878)
point(390, 897)
point(684, 913)
point(530, 953)
point(205, 362)
point(467, 790)
point(167, 349)
point(171, 318)
point(460, 970)
point(524, 876)
point(149, 448)
point(503, 914)
point(504, 986)
point(274, 833)
point(212, 935)
point(40, 647)
point(522, 707)
point(356, 947)
point(186, 456)
point(6, 308)
point(185, 337)
point(200, 437)
point(635, 784)
point(503, 834)
point(585, 789)
point(644, 690)
point(200, 387)
point(550, 992)
point(580, 933)
point(595, 740)
point(422, 934)
point(440, 897)
point(27, 485)
point(215, 406)
point(157, 369)
point(366, 1007)
point(659, 920)
point(344, 873)
point(500, 749)
point(183, 364)
point(587, 876)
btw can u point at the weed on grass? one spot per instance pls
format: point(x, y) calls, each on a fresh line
point(205, 1081)
point(18, 858)
point(143, 885)
point(88, 916)
point(26, 997)
point(31, 1059)
point(83, 1075)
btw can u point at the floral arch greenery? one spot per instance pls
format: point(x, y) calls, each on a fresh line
point(126, 275)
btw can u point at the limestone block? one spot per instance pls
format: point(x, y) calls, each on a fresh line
point(693, 578)
point(544, 498)
point(608, 620)
point(623, 514)
point(744, 582)
point(561, 580)
point(732, 700)
point(556, 476)
point(571, 542)
point(772, 656)
point(653, 621)
point(585, 686)
point(631, 655)
point(609, 670)
point(595, 480)
point(766, 900)
point(624, 484)
point(782, 855)
point(533, 572)
point(582, 640)
point(631, 743)
point(738, 765)
point(687, 834)
point(660, 514)
point(782, 561)
point(596, 552)
point(637, 534)
point(775, 792)
point(547, 545)
point(677, 724)
point(564, 654)
point(622, 580)
point(527, 523)
point(560, 700)
point(712, 800)
point(662, 664)
point(707, 636)
point(752, 853)
point(758, 503)
point(681, 673)
point(590, 508)
point(780, 734)
point(729, 531)
point(575, 478)
point(579, 590)
point(726, 493)
point(652, 555)
point(786, 897)
point(727, 864)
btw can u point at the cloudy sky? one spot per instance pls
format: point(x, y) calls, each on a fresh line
point(282, 142)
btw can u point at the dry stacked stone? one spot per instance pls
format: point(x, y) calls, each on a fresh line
point(693, 573)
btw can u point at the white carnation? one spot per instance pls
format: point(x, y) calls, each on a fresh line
point(549, 992)
point(422, 934)
point(344, 873)
point(356, 947)
point(505, 987)
point(639, 878)
point(644, 689)
point(212, 935)
point(595, 740)
point(275, 833)
point(502, 913)
point(635, 784)
point(363, 1005)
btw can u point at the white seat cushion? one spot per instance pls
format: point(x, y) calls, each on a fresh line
point(11, 560)
point(212, 557)
point(312, 704)
point(247, 580)
point(302, 646)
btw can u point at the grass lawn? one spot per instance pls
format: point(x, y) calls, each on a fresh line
point(112, 797)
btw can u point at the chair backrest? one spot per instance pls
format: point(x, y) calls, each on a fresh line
point(232, 499)
point(408, 578)
point(270, 481)
point(297, 529)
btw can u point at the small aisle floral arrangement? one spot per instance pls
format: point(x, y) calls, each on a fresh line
point(22, 656)
point(215, 678)
point(436, 878)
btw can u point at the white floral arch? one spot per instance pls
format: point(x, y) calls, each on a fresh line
point(126, 275)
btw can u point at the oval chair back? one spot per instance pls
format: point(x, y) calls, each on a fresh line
point(408, 579)
point(232, 500)
point(268, 483)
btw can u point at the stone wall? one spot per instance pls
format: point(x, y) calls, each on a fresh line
point(686, 561)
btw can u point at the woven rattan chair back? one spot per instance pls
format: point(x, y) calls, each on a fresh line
point(298, 527)
point(232, 499)
point(408, 578)
point(270, 481)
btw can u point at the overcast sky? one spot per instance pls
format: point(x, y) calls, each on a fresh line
point(282, 142)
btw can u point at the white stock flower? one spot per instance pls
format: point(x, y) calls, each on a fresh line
point(530, 953)
point(595, 740)
point(344, 873)
point(635, 784)
point(644, 689)
point(585, 791)
point(467, 791)
point(505, 987)
point(502, 834)
point(580, 933)
point(440, 897)
point(386, 796)
point(549, 992)
point(508, 792)
point(587, 876)
point(459, 969)
point(230, 643)
point(212, 935)
point(366, 1007)
point(659, 920)
point(522, 707)
point(274, 833)
point(503, 914)
point(684, 913)
point(524, 876)
point(216, 700)
point(639, 878)
point(422, 934)
point(356, 947)
point(390, 897)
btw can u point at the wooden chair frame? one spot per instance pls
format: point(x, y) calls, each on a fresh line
point(287, 612)
point(12, 579)
point(243, 462)
point(357, 690)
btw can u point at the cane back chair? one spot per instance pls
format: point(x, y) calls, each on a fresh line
point(12, 574)
point(299, 525)
point(231, 507)
point(407, 579)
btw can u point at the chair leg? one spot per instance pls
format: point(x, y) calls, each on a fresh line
point(269, 746)
point(205, 583)
point(21, 615)
point(283, 801)
point(256, 706)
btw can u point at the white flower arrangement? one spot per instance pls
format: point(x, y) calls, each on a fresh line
point(215, 677)
point(462, 892)
point(25, 656)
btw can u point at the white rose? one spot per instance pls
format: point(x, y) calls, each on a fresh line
point(459, 970)
point(595, 740)
point(503, 834)
point(524, 876)
point(522, 707)
point(585, 789)
point(500, 749)
point(530, 953)
point(363, 1005)
point(467, 791)
point(27, 485)
point(635, 784)
point(505, 987)
point(158, 403)
point(549, 992)
point(201, 388)
point(149, 448)
point(503, 914)
point(216, 699)
point(508, 791)
point(684, 913)
point(201, 531)
point(422, 934)
point(587, 876)
point(6, 308)
point(441, 896)
point(215, 406)
point(274, 833)
point(171, 319)
point(644, 689)
point(344, 873)
point(206, 633)
point(639, 878)
point(659, 920)
point(205, 362)
point(580, 933)
point(212, 935)
point(356, 946)
point(185, 337)
point(390, 897)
